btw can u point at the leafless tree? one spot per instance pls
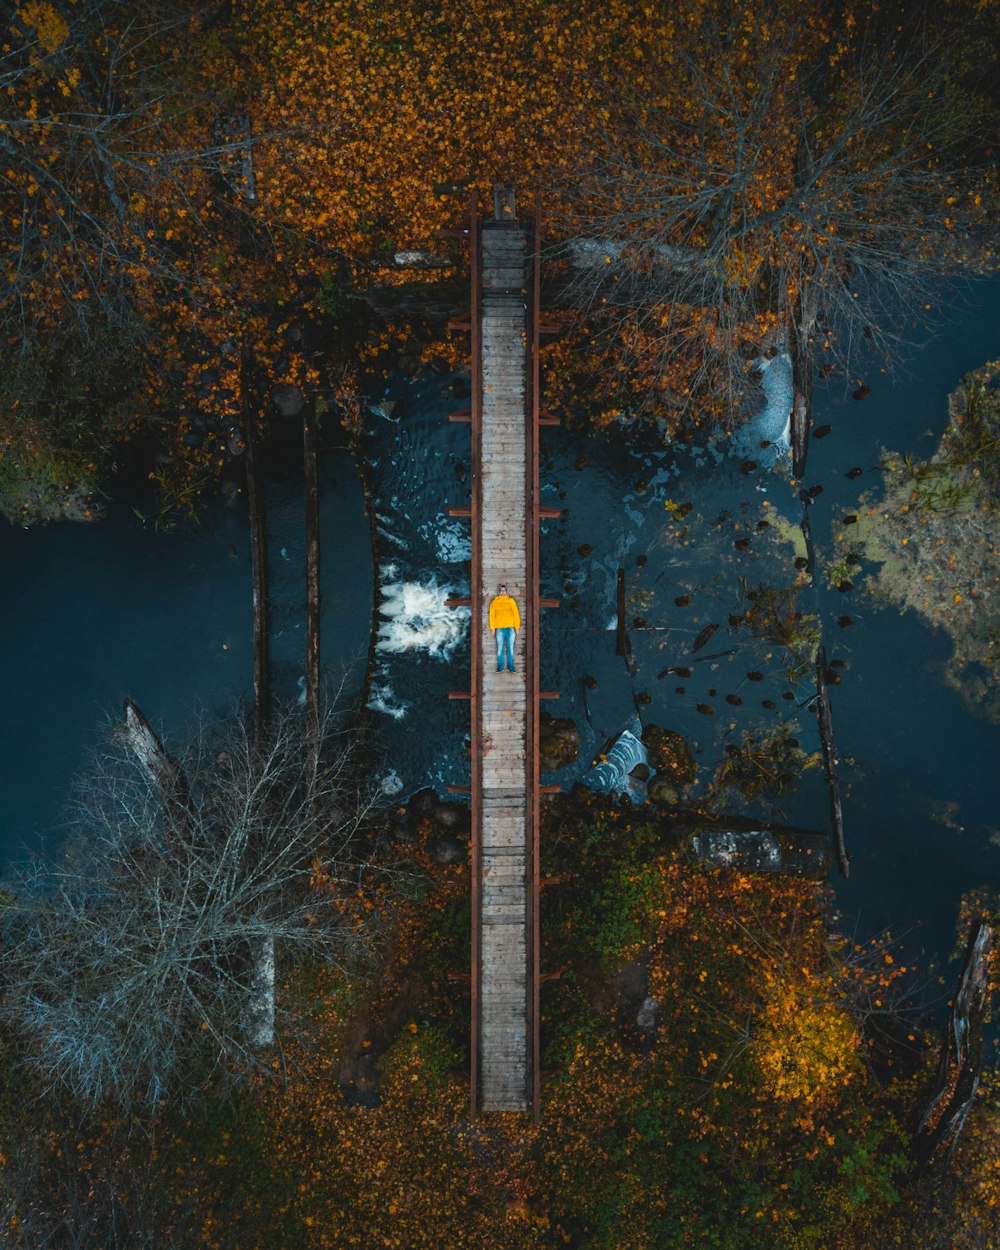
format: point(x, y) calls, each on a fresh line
point(769, 200)
point(143, 965)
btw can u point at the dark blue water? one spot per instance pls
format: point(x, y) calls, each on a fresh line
point(95, 614)
point(914, 761)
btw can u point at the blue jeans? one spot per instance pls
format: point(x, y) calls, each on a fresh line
point(505, 647)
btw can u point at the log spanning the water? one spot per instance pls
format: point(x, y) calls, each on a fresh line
point(258, 559)
point(959, 1070)
point(622, 646)
point(802, 378)
point(825, 715)
point(309, 439)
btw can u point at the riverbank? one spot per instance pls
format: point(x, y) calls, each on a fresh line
point(934, 532)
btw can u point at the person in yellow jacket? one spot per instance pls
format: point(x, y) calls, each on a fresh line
point(505, 621)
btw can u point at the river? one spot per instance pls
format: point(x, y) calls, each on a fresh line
point(93, 614)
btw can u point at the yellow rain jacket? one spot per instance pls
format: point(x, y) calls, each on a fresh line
point(504, 613)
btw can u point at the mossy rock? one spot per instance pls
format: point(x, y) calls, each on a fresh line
point(662, 791)
point(559, 743)
point(670, 755)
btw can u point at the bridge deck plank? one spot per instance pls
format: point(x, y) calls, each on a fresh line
point(504, 993)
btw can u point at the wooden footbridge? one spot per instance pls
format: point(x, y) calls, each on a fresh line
point(505, 790)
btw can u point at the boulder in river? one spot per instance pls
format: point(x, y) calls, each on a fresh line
point(287, 399)
point(447, 849)
point(670, 755)
point(559, 743)
point(450, 816)
point(423, 803)
point(663, 791)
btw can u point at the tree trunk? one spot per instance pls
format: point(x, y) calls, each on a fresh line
point(802, 378)
point(830, 762)
point(258, 558)
point(261, 1027)
point(158, 764)
point(621, 635)
point(958, 1072)
point(309, 438)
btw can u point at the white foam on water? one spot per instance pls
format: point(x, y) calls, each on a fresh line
point(418, 620)
point(382, 697)
point(774, 422)
point(384, 524)
point(454, 542)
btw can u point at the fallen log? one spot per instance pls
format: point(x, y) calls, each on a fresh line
point(258, 560)
point(825, 716)
point(959, 1070)
point(806, 529)
point(802, 380)
point(156, 762)
point(309, 438)
point(796, 852)
point(622, 646)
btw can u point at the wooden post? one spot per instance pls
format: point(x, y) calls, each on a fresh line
point(830, 762)
point(258, 559)
point(309, 439)
point(504, 203)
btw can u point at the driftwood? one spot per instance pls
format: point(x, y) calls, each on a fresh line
point(958, 1073)
point(796, 852)
point(156, 762)
point(309, 437)
point(258, 559)
point(825, 716)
